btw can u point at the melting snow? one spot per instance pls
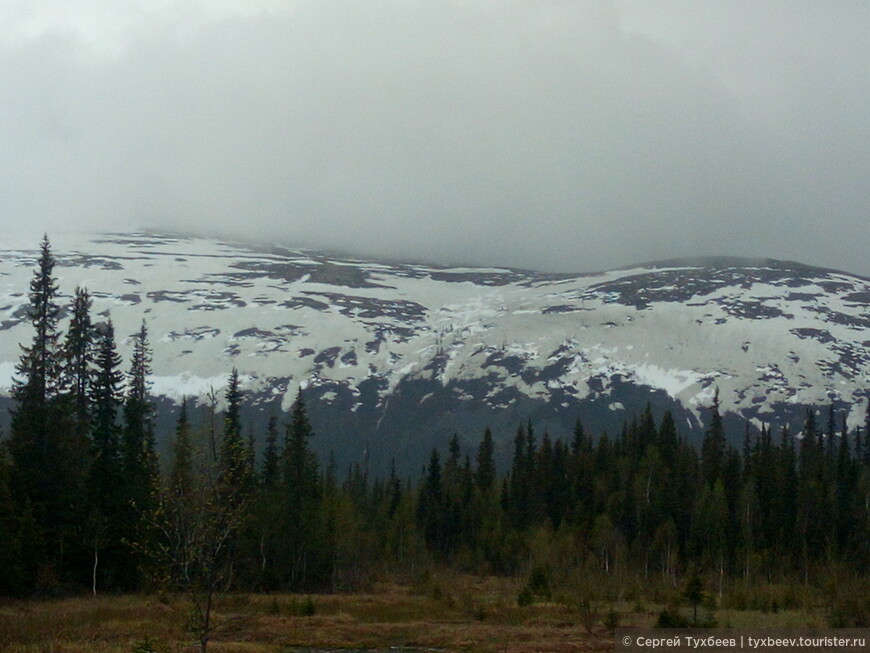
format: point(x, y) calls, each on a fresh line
point(685, 349)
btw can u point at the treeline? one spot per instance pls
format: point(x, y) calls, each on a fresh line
point(84, 504)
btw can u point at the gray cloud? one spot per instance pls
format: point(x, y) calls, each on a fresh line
point(547, 134)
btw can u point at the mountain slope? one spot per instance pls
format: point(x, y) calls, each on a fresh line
point(398, 355)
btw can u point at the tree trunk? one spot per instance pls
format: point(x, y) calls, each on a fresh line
point(206, 625)
point(96, 563)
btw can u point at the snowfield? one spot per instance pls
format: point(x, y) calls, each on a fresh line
point(765, 333)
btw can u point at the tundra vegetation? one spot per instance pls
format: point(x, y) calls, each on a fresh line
point(238, 547)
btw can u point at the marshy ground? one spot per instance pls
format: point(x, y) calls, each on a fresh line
point(449, 613)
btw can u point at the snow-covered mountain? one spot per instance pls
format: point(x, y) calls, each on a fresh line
point(398, 356)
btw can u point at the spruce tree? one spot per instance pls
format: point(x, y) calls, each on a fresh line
point(394, 490)
point(141, 473)
point(78, 359)
point(40, 467)
point(844, 492)
point(814, 527)
point(108, 511)
point(72, 422)
point(234, 472)
point(485, 476)
point(300, 464)
point(308, 560)
point(40, 363)
point(521, 476)
point(271, 456)
point(430, 505)
point(581, 470)
point(181, 477)
point(713, 447)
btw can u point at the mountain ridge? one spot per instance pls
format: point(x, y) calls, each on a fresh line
point(457, 348)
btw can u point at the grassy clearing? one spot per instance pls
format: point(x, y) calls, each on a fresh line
point(448, 612)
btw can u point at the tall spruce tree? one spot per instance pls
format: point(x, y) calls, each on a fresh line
point(181, 476)
point(138, 452)
point(108, 511)
point(301, 488)
point(78, 359)
point(234, 471)
point(430, 505)
point(141, 473)
point(713, 447)
point(72, 424)
point(40, 468)
point(271, 456)
point(485, 476)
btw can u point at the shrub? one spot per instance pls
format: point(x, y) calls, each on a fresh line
point(145, 646)
point(525, 597)
point(589, 610)
point(850, 611)
point(670, 617)
point(540, 582)
point(611, 620)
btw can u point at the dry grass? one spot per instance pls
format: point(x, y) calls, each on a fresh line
point(446, 612)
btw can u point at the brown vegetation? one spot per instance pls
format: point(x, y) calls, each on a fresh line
point(450, 614)
point(441, 611)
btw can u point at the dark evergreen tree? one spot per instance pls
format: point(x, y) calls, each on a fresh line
point(713, 447)
point(785, 499)
point(38, 471)
point(40, 364)
point(844, 493)
point(107, 507)
point(181, 473)
point(582, 472)
point(48, 451)
point(78, 360)
point(271, 473)
point(814, 526)
point(521, 477)
point(557, 486)
point(668, 440)
point(300, 464)
point(394, 486)
point(141, 470)
point(430, 505)
point(234, 471)
point(485, 475)
point(306, 558)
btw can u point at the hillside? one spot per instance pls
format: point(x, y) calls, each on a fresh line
point(398, 356)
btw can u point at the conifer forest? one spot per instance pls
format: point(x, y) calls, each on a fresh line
point(88, 507)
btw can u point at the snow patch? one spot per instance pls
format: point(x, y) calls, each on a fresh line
point(186, 385)
point(672, 381)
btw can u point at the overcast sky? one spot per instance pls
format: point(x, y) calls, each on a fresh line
point(558, 135)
